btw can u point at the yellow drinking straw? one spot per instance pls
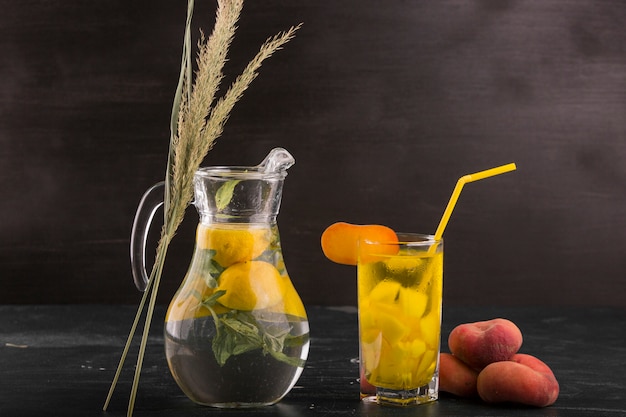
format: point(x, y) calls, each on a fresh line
point(453, 198)
point(459, 186)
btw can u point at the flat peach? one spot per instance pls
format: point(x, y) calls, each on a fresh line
point(522, 380)
point(481, 343)
point(456, 377)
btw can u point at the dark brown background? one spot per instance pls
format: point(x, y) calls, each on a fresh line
point(383, 104)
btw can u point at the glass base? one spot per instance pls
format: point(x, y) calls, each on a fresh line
point(239, 405)
point(402, 398)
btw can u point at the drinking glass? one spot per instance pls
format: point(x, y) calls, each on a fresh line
point(400, 298)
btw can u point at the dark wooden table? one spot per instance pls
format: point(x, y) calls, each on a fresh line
point(59, 361)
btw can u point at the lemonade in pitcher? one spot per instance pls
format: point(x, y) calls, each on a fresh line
point(236, 332)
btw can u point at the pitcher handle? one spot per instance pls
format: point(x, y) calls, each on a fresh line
point(151, 201)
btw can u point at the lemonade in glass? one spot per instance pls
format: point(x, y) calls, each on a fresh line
point(400, 301)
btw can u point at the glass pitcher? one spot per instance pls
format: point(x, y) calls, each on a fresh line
point(236, 331)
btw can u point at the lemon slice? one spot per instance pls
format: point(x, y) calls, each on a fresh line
point(233, 244)
point(250, 285)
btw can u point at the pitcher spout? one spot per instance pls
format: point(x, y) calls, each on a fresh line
point(278, 160)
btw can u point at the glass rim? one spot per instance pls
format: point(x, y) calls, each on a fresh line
point(239, 172)
point(405, 239)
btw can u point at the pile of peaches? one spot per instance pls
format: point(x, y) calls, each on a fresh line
point(485, 362)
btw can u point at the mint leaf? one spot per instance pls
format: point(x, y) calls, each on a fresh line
point(234, 338)
point(212, 299)
point(239, 332)
point(225, 193)
point(208, 268)
point(291, 360)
